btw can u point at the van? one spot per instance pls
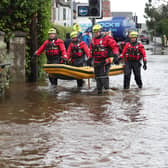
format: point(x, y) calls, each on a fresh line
point(144, 38)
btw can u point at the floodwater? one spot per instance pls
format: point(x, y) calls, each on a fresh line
point(46, 127)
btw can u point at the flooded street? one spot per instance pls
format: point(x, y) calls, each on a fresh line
point(46, 127)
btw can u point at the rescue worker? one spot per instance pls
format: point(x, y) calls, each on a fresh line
point(67, 40)
point(132, 54)
point(86, 38)
point(55, 51)
point(99, 47)
point(121, 46)
point(76, 53)
point(76, 27)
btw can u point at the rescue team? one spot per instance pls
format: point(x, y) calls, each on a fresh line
point(102, 51)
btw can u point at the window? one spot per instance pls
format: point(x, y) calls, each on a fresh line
point(64, 13)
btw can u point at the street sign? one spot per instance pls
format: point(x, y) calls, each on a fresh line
point(82, 10)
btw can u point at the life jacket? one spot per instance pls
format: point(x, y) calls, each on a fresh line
point(52, 50)
point(99, 49)
point(122, 44)
point(133, 53)
point(76, 50)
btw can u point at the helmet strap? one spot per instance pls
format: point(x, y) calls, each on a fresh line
point(55, 38)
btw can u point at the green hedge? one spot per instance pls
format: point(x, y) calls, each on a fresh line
point(61, 30)
point(18, 15)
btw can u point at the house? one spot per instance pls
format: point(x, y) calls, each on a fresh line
point(61, 12)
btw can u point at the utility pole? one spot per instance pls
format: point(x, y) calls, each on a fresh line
point(93, 21)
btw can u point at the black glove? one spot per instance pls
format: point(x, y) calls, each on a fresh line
point(69, 61)
point(64, 61)
point(116, 60)
point(144, 65)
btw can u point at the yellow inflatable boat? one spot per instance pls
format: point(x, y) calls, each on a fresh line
point(71, 72)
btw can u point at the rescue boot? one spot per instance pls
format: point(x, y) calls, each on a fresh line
point(80, 83)
point(126, 84)
point(106, 83)
point(126, 87)
point(99, 92)
point(140, 86)
point(53, 80)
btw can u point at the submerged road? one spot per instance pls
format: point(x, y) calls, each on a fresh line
point(46, 127)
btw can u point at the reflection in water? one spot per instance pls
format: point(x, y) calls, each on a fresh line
point(98, 108)
point(63, 127)
point(132, 105)
point(25, 115)
point(26, 103)
point(156, 50)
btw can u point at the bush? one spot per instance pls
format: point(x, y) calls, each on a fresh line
point(31, 17)
point(61, 30)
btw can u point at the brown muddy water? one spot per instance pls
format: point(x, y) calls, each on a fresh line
point(46, 127)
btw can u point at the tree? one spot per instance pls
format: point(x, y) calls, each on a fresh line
point(30, 16)
point(157, 17)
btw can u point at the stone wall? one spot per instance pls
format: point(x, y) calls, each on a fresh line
point(17, 55)
point(4, 58)
point(15, 72)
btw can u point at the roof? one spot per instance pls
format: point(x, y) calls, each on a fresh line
point(63, 3)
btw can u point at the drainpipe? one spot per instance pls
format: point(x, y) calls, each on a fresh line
point(71, 12)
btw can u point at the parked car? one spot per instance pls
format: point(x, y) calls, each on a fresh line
point(144, 38)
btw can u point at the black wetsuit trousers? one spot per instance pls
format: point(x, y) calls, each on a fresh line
point(79, 62)
point(101, 75)
point(53, 80)
point(134, 66)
